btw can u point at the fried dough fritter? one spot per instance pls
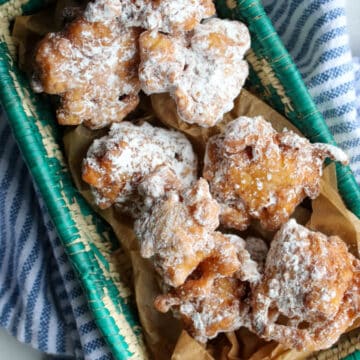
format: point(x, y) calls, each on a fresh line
point(216, 305)
point(118, 163)
point(167, 16)
point(309, 295)
point(257, 173)
point(197, 69)
point(178, 233)
point(94, 69)
point(212, 301)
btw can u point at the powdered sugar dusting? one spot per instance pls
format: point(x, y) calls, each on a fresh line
point(207, 269)
point(197, 70)
point(307, 279)
point(333, 152)
point(123, 158)
point(255, 172)
point(290, 262)
point(93, 67)
point(249, 269)
point(220, 310)
point(176, 238)
point(165, 15)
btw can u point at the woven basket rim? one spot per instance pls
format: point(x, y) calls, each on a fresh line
point(33, 149)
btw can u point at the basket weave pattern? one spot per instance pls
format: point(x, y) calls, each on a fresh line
point(89, 242)
point(86, 239)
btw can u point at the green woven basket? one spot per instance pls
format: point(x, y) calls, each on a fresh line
point(88, 241)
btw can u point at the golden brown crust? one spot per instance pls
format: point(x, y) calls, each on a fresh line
point(121, 166)
point(178, 233)
point(93, 67)
point(197, 68)
point(208, 306)
point(256, 173)
point(312, 281)
point(206, 268)
point(167, 16)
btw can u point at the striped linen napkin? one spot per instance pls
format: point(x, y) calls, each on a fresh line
point(315, 33)
point(41, 301)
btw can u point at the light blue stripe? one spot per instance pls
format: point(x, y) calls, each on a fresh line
point(57, 281)
point(93, 345)
point(27, 228)
point(333, 73)
point(75, 293)
point(16, 318)
point(271, 7)
point(43, 334)
point(308, 13)
point(303, 52)
point(344, 128)
point(317, 49)
point(31, 303)
point(324, 58)
point(350, 144)
point(63, 259)
point(87, 327)
point(14, 304)
point(105, 357)
point(281, 11)
point(4, 186)
point(334, 93)
point(8, 307)
point(81, 310)
point(357, 173)
point(339, 111)
point(61, 338)
point(63, 295)
point(9, 270)
point(355, 159)
point(69, 275)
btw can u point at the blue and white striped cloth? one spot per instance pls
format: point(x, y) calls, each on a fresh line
point(41, 301)
point(315, 33)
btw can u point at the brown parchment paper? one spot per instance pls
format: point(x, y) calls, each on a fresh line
point(164, 335)
point(162, 332)
point(246, 104)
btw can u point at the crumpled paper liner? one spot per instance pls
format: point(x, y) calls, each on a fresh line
point(329, 214)
point(164, 336)
point(246, 104)
point(162, 332)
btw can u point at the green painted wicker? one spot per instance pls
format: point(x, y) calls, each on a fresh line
point(88, 241)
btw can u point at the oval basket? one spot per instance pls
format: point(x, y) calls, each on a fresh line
point(88, 241)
